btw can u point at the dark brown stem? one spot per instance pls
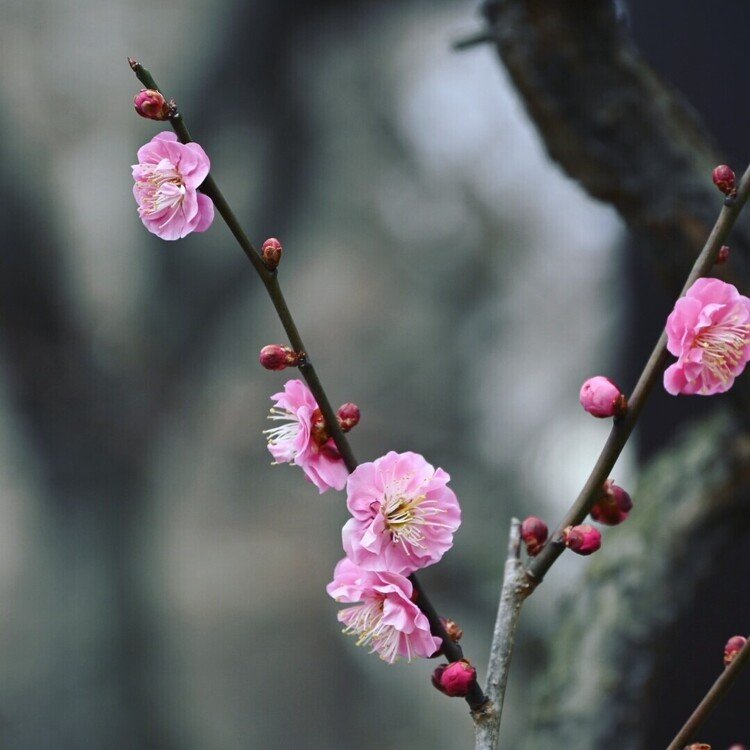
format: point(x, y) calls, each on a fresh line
point(271, 282)
point(712, 698)
point(622, 428)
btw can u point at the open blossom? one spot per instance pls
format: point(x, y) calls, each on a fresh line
point(293, 440)
point(386, 618)
point(404, 515)
point(167, 178)
point(709, 332)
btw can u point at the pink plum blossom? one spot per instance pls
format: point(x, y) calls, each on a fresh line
point(404, 515)
point(709, 332)
point(387, 619)
point(293, 441)
point(167, 178)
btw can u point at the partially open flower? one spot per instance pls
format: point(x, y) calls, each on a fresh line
point(709, 332)
point(613, 506)
point(601, 397)
point(404, 514)
point(455, 679)
point(583, 539)
point(534, 533)
point(150, 104)
point(387, 619)
point(293, 440)
point(167, 178)
point(733, 647)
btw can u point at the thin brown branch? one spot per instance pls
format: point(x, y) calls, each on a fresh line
point(515, 589)
point(712, 698)
point(452, 651)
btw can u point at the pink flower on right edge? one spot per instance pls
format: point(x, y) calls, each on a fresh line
point(387, 619)
point(404, 514)
point(709, 332)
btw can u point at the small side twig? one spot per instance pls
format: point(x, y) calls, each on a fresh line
point(516, 587)
point(712, 698)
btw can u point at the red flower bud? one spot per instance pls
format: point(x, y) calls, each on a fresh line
point(278, 357)
point(601, 397)
point(723, 255)
point(534, 534)
point(733, 647)
point(348, 416)
point(150, 104)
point(455, 679)
point(724, 179)
point(613, 506)
point(583, 539)
point(271, 251)
point(452, 629)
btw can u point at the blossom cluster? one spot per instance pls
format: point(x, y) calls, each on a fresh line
point(403, 517)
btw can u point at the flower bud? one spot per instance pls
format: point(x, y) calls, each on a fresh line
point(724, 179)
point(278, 357)
point(723, 255)
point(733, 647)
point(455, 679)
point(271, 251)
point(698, 746)
point(453, 629)
point(348, 416)
point(150, 104)
point(583, 539)
point(534, 534)
point(601, 397)
point(613, 506)
point(318, 427)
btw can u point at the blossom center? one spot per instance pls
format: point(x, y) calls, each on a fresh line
point(162, 188)
point(366, 622)
point(723, 348)
point(407, 519)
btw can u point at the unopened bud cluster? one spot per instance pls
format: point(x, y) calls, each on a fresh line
point(583, 539)
point(602, 397)
point(278, 357)
point(613, 506)
point(150, 104)
point(725, 179)
point(271, 251)
point(455, 679)
point(733, 647)
point(534, 534)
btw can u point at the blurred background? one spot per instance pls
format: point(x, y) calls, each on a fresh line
point(161, 585)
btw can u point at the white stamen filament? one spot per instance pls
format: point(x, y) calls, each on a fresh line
point(408, 518)
point(285, 432)
point(722, 346)
point(366, 622)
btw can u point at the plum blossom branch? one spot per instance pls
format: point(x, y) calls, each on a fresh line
point(622, 428)
point(269, 276)
point(516, 587)
point(712, 698)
